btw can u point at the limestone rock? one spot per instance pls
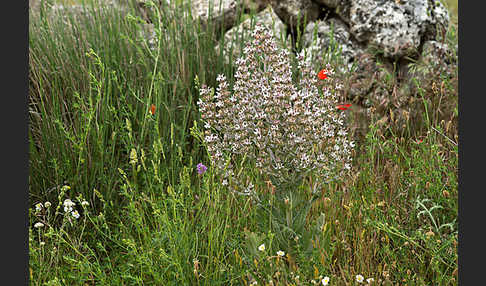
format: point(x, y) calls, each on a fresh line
point(146, 10)
point(340, 8)
point(223, 13)
point(242, 32)
point(329, 3)
point(431, 15)
point(256, 5)
point(293, 12)
point(321, 35)
point(396, 27)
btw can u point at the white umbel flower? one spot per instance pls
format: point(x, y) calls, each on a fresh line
point(68, 205)
point(38, 225)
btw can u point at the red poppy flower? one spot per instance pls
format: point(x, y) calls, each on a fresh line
point(343, 106)
point(322, 74)
point(419, 141)
point(152, 109)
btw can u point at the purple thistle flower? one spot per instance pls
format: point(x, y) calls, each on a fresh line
point(201, 169)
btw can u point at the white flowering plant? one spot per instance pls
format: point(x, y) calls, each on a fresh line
point(286, 129)
point(65, 213)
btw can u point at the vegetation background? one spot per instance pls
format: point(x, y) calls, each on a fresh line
point(152, 220)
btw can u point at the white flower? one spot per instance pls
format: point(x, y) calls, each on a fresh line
point(68, 202)
point(38, 207)
point(75, 214)
point(47, 204)
point(254, 283)
point(68, 205)
point(325, 281)
point(280, 253)
point(38, 225)
point(84, 203)
point(262, 247)
point(248, 189)
point(369, 280)
point(359, 278)
point(282, 144)
point(42, 243)
point(220, 77)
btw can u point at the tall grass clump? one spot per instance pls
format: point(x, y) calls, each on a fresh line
point(92, 70)
point(93, 79)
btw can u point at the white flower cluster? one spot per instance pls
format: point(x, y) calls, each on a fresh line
point(285, 129)
point(69, 208)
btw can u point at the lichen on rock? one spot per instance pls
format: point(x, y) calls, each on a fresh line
point(396, 27)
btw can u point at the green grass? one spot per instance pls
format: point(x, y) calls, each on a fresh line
point(152, 220)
